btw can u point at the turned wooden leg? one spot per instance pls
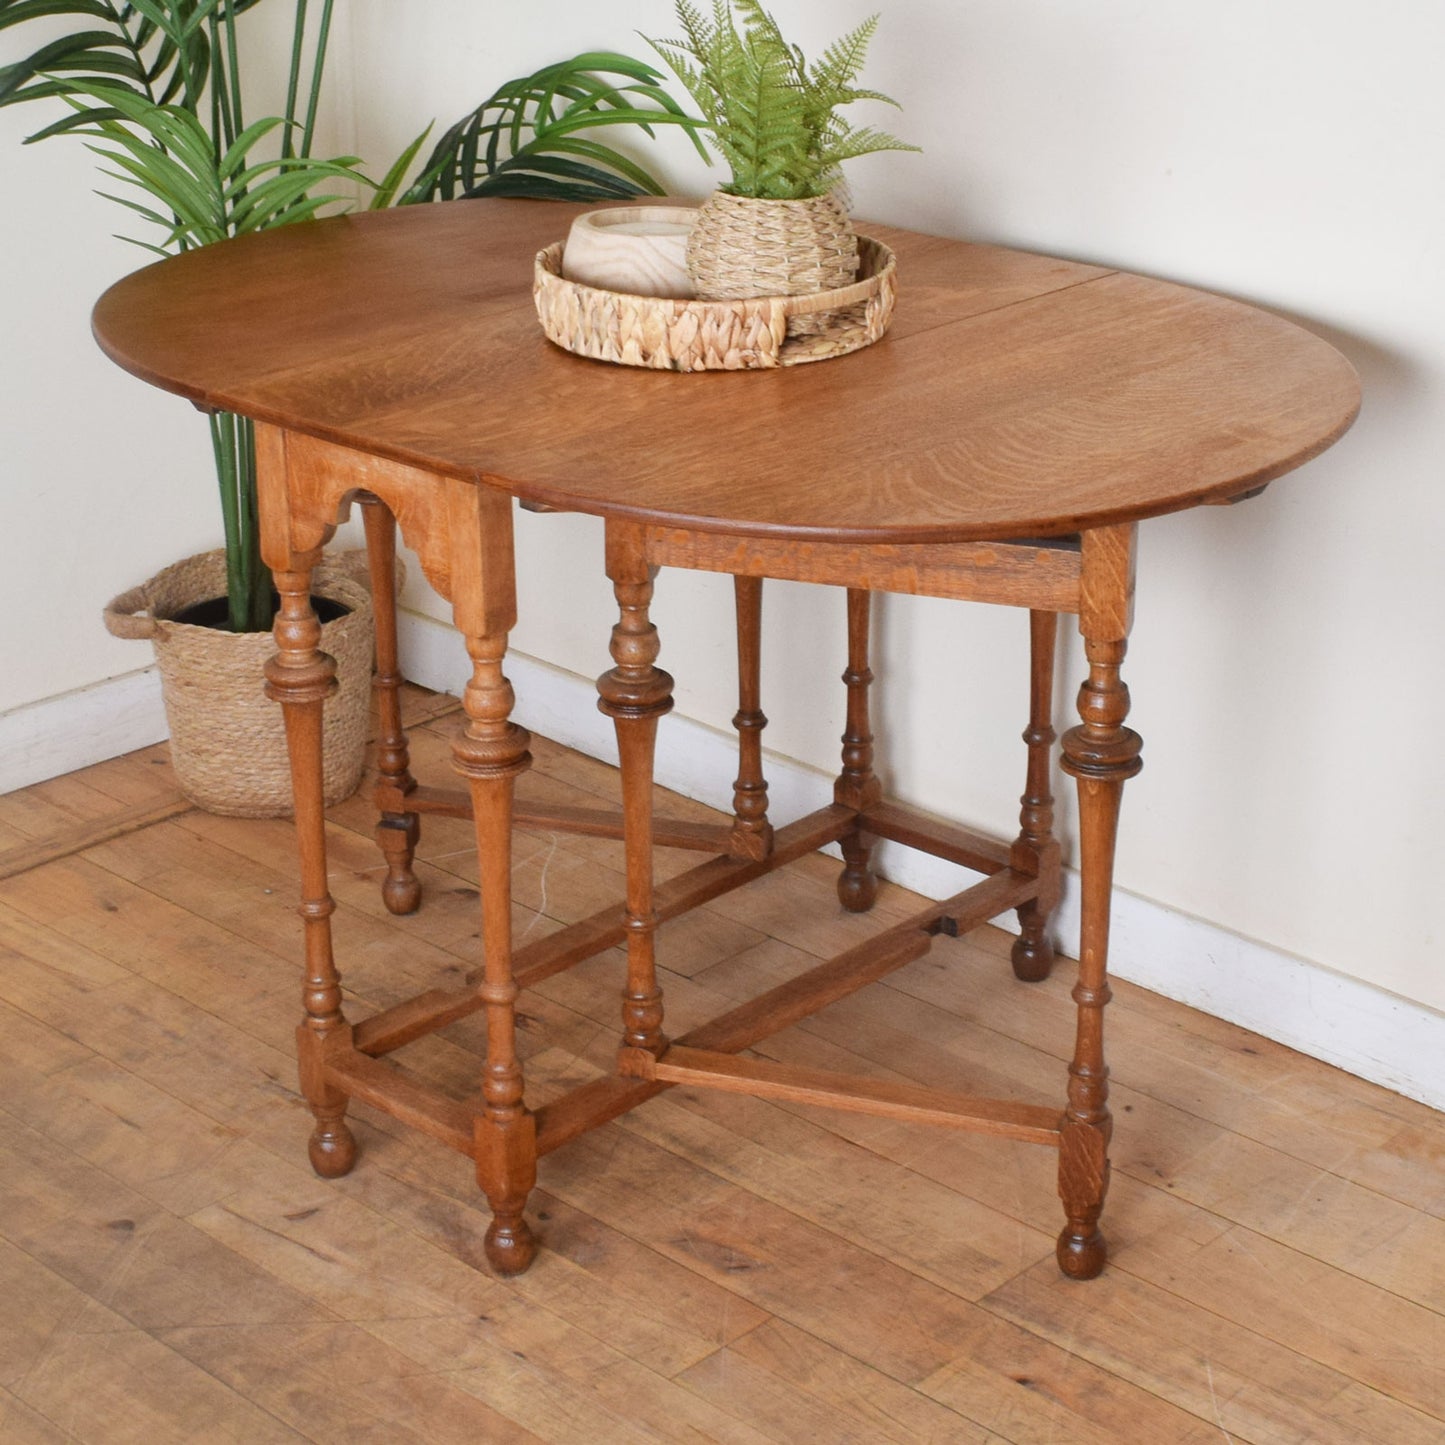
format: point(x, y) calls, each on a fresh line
point(1036, 850)
point(634, 694)
point(300, 678)
point(398, 828)
point(1101, 754)
point(489, 753)
point(857, 787)
point(752, 835)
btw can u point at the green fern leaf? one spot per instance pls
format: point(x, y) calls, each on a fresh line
point(843, 59)
point(773, 119)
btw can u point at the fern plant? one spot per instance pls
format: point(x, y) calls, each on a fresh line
point(772, 116)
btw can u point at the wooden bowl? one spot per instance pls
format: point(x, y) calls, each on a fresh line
point(638, 250)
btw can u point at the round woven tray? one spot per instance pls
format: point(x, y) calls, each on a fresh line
point(741, 335)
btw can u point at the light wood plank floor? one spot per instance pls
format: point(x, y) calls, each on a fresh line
point(716, 1268)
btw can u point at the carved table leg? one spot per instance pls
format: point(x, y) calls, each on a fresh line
point(1101, 754)
point(635, 693)
point(490, 752)
point(397, 831)
point(857, 787)
point(1036, 851)
point(752, 835)
point(300, 678)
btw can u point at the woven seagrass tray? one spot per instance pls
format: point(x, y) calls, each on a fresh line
point(759, 331)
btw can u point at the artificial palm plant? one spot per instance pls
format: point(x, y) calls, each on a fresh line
point(156, 89)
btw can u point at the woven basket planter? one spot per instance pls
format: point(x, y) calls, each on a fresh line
point(741, 246)
point(228, 742)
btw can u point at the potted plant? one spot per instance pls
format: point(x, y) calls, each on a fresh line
point(156, 89)
point(777, 229)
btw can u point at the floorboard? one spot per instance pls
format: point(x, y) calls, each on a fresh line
point(717, 1267)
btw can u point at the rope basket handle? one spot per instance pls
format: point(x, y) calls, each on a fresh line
point(834, 300)
point(129, 615)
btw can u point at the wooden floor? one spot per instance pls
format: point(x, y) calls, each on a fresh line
point(716, 1268)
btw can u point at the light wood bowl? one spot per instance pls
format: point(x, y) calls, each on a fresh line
point(602, 252)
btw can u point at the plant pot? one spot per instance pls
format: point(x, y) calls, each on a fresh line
point(741, 246)
point(228, 741)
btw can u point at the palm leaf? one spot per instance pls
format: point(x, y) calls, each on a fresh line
point(642, 179)
point(522, 138)
point(390, 183)
point(17, 12)
point(583, 181)
point(159, 50)
point(172, 127)
point(71, 121)
point(267, 201)
point(88, 52)
point(166, 152)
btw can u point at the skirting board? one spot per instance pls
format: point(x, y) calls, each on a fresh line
point(76, 729)
point(1362, 1029)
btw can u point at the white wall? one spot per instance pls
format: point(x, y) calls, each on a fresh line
point(1286, 666)
point(104, 480)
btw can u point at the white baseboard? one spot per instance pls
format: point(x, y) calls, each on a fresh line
point(1346, 1022)
point(76, 729)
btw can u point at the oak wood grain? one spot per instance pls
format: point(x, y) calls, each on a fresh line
point(1035, 1123)
point(1016, 395)
point(25, 856)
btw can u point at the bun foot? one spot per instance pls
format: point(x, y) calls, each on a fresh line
point(511, 1246)
point(402, 895)
point(1033, 959)
point(1081, 1257)
point(332, 1149)
point(857, 889)
point(396, 836)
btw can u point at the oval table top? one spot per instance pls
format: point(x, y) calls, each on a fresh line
point(1015, 396)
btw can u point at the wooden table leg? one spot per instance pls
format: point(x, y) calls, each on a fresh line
point(752, 834)
point(398, 829)
point(300, 678)
point(490, 752)
point(1036, 850)
point(634, 694)
point(857, 787)
point(1101, 754)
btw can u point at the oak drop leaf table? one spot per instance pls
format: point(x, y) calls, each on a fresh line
point(1000, 445)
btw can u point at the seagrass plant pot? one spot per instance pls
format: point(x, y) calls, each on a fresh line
point(744, 246)
point(228, 741)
